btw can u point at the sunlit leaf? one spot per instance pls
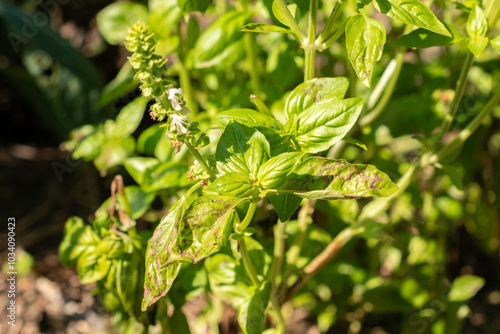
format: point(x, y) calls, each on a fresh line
point(321, 178)
point(114, 19)
point(315, 91)
point(241, 149)
point(465, 287)
point(324, 124)
point(365, 40)
point(412, 12)
point(232, 184)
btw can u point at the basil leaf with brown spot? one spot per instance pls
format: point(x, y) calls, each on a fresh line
point(189, 233)
point(321, 178)
point(365, 40)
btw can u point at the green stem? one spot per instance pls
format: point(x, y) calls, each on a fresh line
point(251, 51)
point(247, 263)
point(274, 271)
point(381, 84)
point(459, 92)
point(330, 23)
point(493, 14)
point(185, 79)
point(248, 218)
point(185, 82)
point(388, 92)
point(281, 322)
point(309, 45)
point(290, 21)
point(201, 160)
point(329, 42)
point(279, 253)
point(310, 52)
point(261, 106)
point(313, 21)
point(468, 130)
point(303, 220)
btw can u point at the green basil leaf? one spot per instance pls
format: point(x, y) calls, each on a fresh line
point(274, 171)
point(248, 117)
point(477, 44)
point(422, 38)
point(148, 139)
point(252, 313)
point(324, 124)
point(78, 238)
point(264, 28)
point(241, 149)
point(139, 201)
point(321, 178)
point(233, 184)
point(285, 205)
point(130, 117)
point(315, 91)
point(137, 167)
point(223, 269)
point(292, 7)
point(121, 85)
point(477, 26)
point(355, 142)
point(90, 146)
point(91, 267)
point(194, 5)
point(272, 175)
point(111, 248)
point(412, 12)
point(114, 20)
point(267, 125)
point(365, 39)
point(215, 40)
point(465, 287)
point(158, 276)
point(165, 175)
point(114, 152)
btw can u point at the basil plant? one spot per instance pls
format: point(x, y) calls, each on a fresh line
point(229, 189)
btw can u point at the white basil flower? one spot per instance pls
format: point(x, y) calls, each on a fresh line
point(180, 122)
point(174, 99)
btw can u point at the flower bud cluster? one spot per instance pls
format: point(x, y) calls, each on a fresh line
point(169, 101)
